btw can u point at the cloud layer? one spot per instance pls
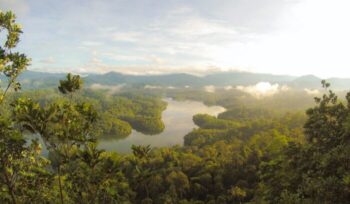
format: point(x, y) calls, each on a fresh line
point(275, 36)
point(263, 89)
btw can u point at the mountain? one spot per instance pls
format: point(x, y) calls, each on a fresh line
point(32, 79)
point(340, 83)
point(307, 81)
point(113, 78)
point(245, 78)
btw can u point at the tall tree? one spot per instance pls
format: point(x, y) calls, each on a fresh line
point(12, 63)
point(22, 170)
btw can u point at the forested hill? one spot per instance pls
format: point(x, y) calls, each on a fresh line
point(32, 79)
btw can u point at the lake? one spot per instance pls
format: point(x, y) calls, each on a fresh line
point(178, 122)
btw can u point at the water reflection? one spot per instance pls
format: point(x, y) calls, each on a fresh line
point(178, 122)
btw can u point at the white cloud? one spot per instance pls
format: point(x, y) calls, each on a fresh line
point(197, 26)
point(262, 89)
point(152, 87)
point(111, 89)
point(20, 7)
point(123, 57)
point(312, 91)
point(285, 88)
point(127, 36)
point(156, 60)
point(227, 88)
point(281, 37)
point(210, 88)
point(49, 60)
point(91, 43)
point(308, 41)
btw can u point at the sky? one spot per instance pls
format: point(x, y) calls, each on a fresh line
point(294, 37)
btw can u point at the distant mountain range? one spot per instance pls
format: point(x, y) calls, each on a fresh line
point(32, 79)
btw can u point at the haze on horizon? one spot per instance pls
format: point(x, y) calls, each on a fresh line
point(294, 37)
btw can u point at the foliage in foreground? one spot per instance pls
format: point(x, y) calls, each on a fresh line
point(262, 158)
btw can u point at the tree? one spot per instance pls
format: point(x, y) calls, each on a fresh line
point(22, 170)
point(72, 84)
point(237, 193)
point(318, 171)
point(141, 152)
point(12, 64)
point(64, 127)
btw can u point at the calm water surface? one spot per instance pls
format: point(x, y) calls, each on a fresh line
point(178, 122)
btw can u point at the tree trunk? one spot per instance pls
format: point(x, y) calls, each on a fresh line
point(59, 183)
point(10, 188)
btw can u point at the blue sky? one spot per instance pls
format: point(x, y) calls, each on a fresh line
point(195, 36)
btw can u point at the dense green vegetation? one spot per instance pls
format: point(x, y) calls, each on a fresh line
point(281, 102)
point(247, 154)
point(118, 114)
